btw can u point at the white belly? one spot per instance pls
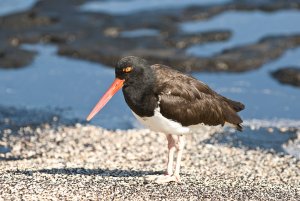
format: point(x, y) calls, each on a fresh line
point(159, 123)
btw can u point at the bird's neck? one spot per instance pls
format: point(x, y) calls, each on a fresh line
point(139, 95)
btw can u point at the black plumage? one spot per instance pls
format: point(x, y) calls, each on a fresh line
point(168, 101)
point(180, 97)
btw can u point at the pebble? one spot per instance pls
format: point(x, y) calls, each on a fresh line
point(87, 162)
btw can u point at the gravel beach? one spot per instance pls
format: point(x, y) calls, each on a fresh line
point(56, 59)
point(85, 162)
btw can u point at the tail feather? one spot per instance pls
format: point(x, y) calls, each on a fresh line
point(231, 114)
point(239, 127)
point(237, 106)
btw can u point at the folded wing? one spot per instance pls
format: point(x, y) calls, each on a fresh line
point(198, 103)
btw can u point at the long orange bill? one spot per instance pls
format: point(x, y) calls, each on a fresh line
point(116, 86)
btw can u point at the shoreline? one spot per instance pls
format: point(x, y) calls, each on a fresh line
point(88, 162)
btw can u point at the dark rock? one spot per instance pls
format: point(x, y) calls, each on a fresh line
point(15, 58)
point(288, 75)
point(205, 12)
point(96, 36)
point(253, 56)
point(186, 40)
point(239, 59)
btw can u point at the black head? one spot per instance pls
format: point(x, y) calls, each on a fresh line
point(134, 76)
point(130, 68)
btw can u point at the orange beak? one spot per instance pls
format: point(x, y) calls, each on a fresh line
point(116, 86)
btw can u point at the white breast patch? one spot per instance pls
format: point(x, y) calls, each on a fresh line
point(159, 123)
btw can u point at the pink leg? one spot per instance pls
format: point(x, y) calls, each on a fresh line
point(179, 146)
point(171, 148)
point(174, 143)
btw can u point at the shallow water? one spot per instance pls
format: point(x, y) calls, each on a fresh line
point(59, 82)
point(74, 86)
point(253, 139)
point(263, 96)
point(12, 6)
point(139, 33)
point(246, 28)
point(120, 7)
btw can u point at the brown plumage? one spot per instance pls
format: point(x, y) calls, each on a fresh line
point(186, 100)
point(168, 101)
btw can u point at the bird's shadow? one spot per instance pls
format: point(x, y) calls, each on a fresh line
point(89, 172)
point(15, 158)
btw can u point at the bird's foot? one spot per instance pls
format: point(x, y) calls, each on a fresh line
point(162, 179)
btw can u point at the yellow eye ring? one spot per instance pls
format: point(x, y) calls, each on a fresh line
point(127, 69)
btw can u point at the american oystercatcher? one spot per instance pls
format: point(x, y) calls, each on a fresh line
point(168, 101)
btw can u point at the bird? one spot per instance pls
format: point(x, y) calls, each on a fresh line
point(170, 102)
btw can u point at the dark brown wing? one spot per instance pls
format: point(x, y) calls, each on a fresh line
point(189, 101)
